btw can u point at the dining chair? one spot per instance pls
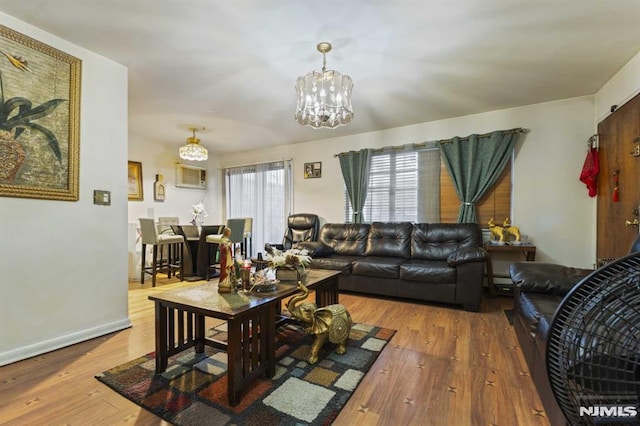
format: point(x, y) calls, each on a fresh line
point(174, 245)
point(164, 224)
point(208, 250)
point(237, 227)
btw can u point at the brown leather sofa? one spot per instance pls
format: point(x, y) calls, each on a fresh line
point(441, 262)
point(539, 289)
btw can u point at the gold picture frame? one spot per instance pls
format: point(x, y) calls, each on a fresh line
point(40, 136)
point(312, 170)
point(134, 188)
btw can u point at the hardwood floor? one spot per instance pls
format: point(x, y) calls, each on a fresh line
point(444, 366)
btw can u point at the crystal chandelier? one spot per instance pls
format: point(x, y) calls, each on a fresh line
point(324, 98)
point(193, 151)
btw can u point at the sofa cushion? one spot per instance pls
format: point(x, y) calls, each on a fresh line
point(436, 241)
point(335, 263)
point(377, 266)
point(346, 239)
point(314, 248)
point(547, 278)
point(389, 239)
point(432, 271)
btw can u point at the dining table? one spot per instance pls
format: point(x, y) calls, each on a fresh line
point(198, 255)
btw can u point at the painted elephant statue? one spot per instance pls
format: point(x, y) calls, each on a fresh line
point(331, 322)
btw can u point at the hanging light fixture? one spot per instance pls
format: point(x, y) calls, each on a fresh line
point(192, 150)
point(324, 98)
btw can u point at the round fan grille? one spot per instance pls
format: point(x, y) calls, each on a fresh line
point(593, 350)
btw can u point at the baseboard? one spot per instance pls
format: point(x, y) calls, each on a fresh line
point(45, 346)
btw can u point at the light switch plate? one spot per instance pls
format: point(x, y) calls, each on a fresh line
point(102, 198)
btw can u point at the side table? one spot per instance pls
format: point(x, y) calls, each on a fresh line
point(528, 251)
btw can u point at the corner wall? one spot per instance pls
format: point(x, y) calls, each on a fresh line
point(622, 87)
point(64, 264)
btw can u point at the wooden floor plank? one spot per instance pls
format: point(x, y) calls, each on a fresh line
point(444, 366)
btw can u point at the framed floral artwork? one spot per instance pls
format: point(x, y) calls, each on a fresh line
point(134, 190)
point(40, 120)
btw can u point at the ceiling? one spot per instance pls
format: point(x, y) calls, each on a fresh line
point(231, 66)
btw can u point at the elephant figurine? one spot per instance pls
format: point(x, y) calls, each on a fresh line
point(331, 322)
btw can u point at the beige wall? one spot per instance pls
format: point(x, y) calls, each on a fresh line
point(64, 263)
point(621, 88)
point(161, 159)
point(550, 205)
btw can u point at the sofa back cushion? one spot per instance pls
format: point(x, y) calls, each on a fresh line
point(436, 241)
point(346, 239)
point(389, 239)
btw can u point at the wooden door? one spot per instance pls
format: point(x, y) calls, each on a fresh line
point(619, 136)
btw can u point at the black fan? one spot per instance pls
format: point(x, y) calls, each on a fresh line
point(593, 349)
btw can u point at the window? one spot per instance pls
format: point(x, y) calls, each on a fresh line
point(403, 187)
point(262, 192)
point(414, 186)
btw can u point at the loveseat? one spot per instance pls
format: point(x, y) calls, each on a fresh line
point(538, 290)
point(440, 262)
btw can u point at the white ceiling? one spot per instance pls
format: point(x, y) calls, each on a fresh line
point(231, 65)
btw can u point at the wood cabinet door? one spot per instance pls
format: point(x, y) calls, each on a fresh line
point(619, 136)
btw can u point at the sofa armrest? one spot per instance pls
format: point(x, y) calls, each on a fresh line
point(466, 255)
point(316, 249)
point(547, 278)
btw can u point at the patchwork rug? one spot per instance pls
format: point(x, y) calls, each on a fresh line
point(193, 390)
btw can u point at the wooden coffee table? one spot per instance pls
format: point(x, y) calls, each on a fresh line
point(251, 319)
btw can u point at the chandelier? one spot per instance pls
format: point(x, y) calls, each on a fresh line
point(192, 150)
point(324, 98)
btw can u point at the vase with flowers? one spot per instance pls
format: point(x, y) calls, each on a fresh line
point(198, 214)
point(290, 265)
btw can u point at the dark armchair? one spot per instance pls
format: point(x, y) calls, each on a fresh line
point(300, 227)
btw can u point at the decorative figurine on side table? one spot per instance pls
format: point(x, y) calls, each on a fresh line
point(503, 233)
point(227, 280)
point(331, 322)
point(511, 230)
point(497, 232)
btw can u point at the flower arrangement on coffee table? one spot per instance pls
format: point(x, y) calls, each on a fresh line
point(293, 259)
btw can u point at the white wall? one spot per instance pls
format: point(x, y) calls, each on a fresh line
point(64, 263)
point(161, 159)
point(550, 204)
point(621, 88)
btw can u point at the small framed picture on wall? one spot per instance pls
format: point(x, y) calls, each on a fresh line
point(312, 170)
point(135, 181)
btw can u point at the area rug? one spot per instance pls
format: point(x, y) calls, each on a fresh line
point(193, 390)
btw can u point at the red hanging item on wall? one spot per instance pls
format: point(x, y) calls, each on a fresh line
point(590, 169)
point(616, 196)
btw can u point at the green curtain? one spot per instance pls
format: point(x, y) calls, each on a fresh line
point(355, 171)
point(475, 164)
